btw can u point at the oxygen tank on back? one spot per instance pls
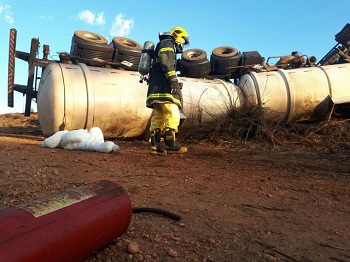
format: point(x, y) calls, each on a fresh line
point(146, 59)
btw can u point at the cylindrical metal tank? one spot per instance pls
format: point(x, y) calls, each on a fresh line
point(146, 58)
point(77, 96)
point(339, 82)
point(67, 226)
point(298, 94)
point(207, 100)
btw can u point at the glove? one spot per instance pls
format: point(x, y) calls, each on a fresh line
point(175, 87)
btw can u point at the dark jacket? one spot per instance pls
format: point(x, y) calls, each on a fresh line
point(162, 71)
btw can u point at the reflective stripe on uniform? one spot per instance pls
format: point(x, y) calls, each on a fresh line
point(165, 49)
point(170, 73)
point(165, 96)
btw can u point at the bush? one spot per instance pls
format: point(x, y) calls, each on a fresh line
point(250, 124)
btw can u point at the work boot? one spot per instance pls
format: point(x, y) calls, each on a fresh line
point(156, 148)
point(172, 147)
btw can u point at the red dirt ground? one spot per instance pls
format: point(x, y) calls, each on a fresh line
point(243, 203)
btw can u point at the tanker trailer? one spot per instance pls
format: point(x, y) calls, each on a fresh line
point(302, 94)
point(77, 96)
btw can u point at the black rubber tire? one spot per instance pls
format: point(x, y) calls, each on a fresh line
point(133, 58)
point(85, 52)
point(195, 70)
point(126, 45)
point(194, 55)
point(225, 51)
point(220, 64)
point(90, 37)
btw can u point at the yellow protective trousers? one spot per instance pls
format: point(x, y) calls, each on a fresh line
point(165, 115)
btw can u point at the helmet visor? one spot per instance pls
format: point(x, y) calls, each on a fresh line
point(186, 40)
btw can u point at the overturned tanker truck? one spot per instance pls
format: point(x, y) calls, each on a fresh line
point(100, 84)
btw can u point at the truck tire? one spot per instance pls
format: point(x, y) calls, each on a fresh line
point(194, 55)
point(195, 70)
point(223, 60)
point(225, 51)
point(127, 50)
point(126, 45)
point(86, 47)
point(90, 37)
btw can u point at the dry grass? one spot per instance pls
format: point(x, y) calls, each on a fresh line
point(240, 126)
point(19, 120)
point(19, 124)
point(250, 125)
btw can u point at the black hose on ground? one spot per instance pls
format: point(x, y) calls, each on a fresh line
point(157, 211)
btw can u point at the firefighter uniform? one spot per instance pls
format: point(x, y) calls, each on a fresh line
point(164, 94)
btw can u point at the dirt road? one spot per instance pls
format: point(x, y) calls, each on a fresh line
point(238, 203)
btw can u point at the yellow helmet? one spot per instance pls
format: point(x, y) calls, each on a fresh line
point(181, 36)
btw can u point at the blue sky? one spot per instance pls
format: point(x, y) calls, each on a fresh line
point(271, 27)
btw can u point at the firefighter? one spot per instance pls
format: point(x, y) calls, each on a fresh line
point(164, 92)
